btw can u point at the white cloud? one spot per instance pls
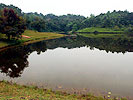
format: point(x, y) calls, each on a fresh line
point(82, 7)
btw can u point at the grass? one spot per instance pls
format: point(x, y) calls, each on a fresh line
point(34, 37)
point(93, 29)
point(38, 35)
point(2, 44)
point(11, 91)
point(104, 35)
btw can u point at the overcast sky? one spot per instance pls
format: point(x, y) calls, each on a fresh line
point(80, 7)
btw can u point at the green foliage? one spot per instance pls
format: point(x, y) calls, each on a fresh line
point(116, 28)
point(74, 28)
point(102, 35)
point(52, 23)
point(38, 24)
point(98, 29)
point(117, 20)
point(35, 21)
point(129, 31)
point(16, 9)
point(11, 24)
point(1, 35)
point(63, 23)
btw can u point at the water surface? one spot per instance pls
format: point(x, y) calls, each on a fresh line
point(71, 64)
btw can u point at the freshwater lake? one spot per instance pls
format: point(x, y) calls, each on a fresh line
point(72, 64)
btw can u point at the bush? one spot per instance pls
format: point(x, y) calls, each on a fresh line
point(129, 31)
point(1, 35)
point(95, 32)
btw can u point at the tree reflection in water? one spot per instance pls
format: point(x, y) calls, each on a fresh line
point(13, 61)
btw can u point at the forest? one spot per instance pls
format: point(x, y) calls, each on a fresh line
point(118, 20)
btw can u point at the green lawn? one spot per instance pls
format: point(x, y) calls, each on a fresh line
point(93, 29)
point(34, 37)
point(104, 35)
point(3, 44)
point(10, 91)
point(38, 35)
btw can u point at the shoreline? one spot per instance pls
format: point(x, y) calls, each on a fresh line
point(30, 41)
point(66, 96)
point(26, 43)
point(13, 91)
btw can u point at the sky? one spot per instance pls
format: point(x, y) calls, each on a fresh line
point(78, 7)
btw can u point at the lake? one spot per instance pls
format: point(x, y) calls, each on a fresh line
point(72, 64)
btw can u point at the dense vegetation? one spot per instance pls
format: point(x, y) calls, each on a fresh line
point(118, 20)
point(11, 24)
point(115, 19)
point(50, 22)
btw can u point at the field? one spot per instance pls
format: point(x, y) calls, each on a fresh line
point(33, 37)
point(104, 35)
point(93, 29)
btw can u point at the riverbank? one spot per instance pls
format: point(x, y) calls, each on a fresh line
point(98, 29)
point(106, 36)
point(33, 36)
point(12, 91)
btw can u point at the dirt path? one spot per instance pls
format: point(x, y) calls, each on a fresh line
point(25, 36)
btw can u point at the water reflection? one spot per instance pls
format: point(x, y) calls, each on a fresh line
point(80, 65)
point(119, 45)
point(14, 60)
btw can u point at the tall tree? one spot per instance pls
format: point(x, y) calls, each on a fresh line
point(11, 24)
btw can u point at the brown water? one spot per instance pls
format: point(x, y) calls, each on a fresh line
point(72, 65)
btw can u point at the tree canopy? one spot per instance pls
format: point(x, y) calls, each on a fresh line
point(64, 23)
point(11, 24)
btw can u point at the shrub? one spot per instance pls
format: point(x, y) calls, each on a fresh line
point(129, 31)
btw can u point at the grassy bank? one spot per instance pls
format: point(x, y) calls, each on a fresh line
point(11, 91)
point(2, 44)
point(34, 37)
point(93, 29)
point(104, 35)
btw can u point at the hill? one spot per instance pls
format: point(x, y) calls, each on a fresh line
point(118, 20)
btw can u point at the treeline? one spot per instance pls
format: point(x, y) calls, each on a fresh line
point(115, 19)
point(52, 23)
point(65, 23)
point(49, 22)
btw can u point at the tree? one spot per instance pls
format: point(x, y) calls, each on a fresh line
point(129, 31)
point(38, 24)
point(11, 24)
point(74, 28)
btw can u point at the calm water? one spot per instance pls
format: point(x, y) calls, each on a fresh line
point(72, 64)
